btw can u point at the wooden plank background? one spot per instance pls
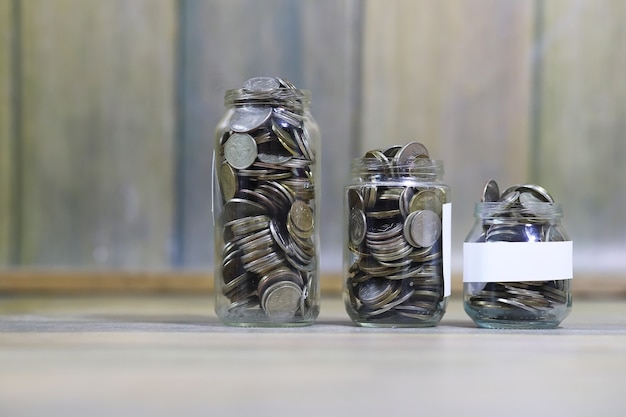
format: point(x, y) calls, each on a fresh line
point(459, 85)
point(98, 133)
point(6, 130)
point(581, 131)
point(118, 102)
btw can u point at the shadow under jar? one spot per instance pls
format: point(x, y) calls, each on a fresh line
point(517, 260)
point(397, 234)
point(264, 207)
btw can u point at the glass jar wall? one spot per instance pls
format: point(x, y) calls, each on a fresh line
point(517, 260)
point(265, 197)
point(397, 234)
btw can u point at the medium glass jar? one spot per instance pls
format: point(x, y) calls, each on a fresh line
point(517, 260)
point(397, 239)
point(265, 206)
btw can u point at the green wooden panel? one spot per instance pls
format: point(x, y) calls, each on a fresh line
point(98, 126)
point(581, 146)
point(6, 131)
point(456, 77)
point(312, 44)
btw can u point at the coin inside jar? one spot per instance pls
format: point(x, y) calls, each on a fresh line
point(240, 150)
point(426, 200)
point(301, 217)
point(422, 228)
point(261, 84)
point(357, 226)
point(281, 300)
point(248, 118)
point(228, 181)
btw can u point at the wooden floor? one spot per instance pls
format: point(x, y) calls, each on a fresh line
point(169, 356)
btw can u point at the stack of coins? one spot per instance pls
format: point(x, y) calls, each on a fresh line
point(265, 171)
point(518, 214)
point(394, 238)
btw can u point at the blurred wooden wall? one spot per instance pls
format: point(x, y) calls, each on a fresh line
point(6, 130)
point(107, 112)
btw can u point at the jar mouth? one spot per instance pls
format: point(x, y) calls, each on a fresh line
point(502, 210)
point(375, 169)
point(280, 97)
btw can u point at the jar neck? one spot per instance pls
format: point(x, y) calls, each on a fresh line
point(374, 169)
point(531, 212)
point(290, 98)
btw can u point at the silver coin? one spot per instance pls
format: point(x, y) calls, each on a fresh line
point(424, 228)
point(355, 200)
point(261, 84)
point(273, 158)
point(237, 208)
point(240, 150)
point(228, 181)
point(372, 291)
point(247, 118)
point(280, 239)
point(357, 226)
point(391, 151)
point(409, 152)
point(302, 218)
point(286, 84)
point(282, 300)
point(541, 193)
point(426, 200)
point(491, 192)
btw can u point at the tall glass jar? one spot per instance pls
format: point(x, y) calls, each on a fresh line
point(264, 206)
point(517, 260)
point(397, 239)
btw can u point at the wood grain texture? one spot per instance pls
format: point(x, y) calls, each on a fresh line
point(169, 356)
point(312, 44)
point(98, 131)
point(6, 131)
point(581, 146)
point(454, 76)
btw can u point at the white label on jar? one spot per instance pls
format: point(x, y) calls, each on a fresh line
point(446, 247)
point(517, 261)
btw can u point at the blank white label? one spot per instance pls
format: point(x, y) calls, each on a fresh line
point(517, 261)
point(446, 247)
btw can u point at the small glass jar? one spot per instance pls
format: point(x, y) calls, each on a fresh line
point(517, 260)
point(397, 239)
point(264, 206)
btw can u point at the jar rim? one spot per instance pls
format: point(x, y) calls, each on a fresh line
point(289, 97)
point(502, 209)
point(374, 168)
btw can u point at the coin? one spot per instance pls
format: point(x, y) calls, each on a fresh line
point(240, 150)
point(357, 226)
point(282, 300)
point(424, 228)
point(228, 181)
point(426, 200)
point(491, 192)
point(236, 208)
point(302, 217)
point(409, 152)
point(286, 84)
point(355, 200)
point(373, 290)
point(261, 84)
point(247, 118)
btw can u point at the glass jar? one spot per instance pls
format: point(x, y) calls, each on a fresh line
point(397, 239)
point(264, 206)
point(517, 260)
